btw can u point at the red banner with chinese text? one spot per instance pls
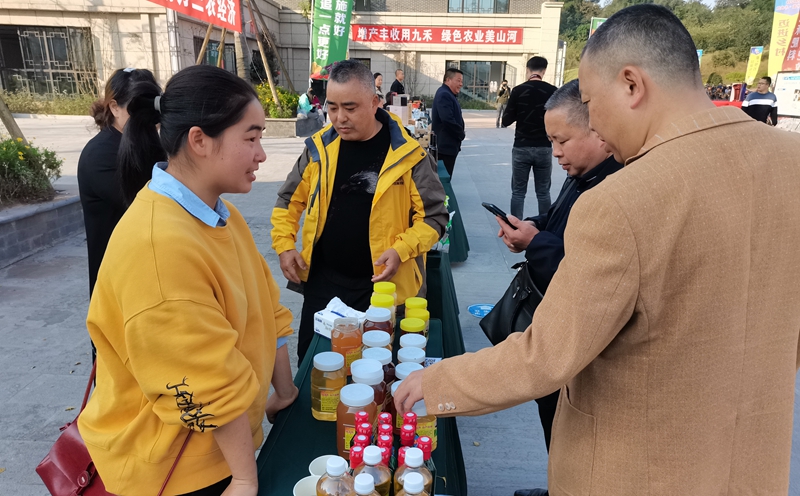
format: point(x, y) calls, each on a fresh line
point(222, 13)
point(443, 35)
point(791, 60)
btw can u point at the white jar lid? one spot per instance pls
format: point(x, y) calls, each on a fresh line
point(413, 341)
point(380, 354)
point(378, 314)
point(413, 355)
point(395, 385)
point(414, 457)
point(364, 484)
point(366, 371)
point(329, 361)
point(404, 369)
point(357, 395)
point(376, 339)
point(372, 455)
point(336, 466)
point(413, 483)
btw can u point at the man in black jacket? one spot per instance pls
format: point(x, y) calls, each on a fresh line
point(531, 148)
point(446, 119)
point(587, 161)
point(397, 85)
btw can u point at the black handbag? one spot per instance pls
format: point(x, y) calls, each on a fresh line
point(514, 311)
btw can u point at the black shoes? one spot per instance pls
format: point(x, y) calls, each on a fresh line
point(531, 492)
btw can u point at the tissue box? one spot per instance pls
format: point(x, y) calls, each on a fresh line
point(323, 322)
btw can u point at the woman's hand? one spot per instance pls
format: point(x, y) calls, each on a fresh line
point(278, 402)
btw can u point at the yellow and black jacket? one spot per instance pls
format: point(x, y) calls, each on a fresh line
point(408, 212)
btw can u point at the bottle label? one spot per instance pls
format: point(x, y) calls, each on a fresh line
point(428, 428)
point(352, 356)
point(329, 400)
point(398, 422)
point(349, 434)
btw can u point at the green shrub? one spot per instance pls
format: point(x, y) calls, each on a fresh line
point(26, 171)
point(288, 101)
point(56, 104)
point(468, 103)
point(723, 58)
point(714, 79)
point(734, 77)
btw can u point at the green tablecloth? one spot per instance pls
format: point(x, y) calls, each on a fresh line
point(443, 302)
point(459, 244)
point(297, 438)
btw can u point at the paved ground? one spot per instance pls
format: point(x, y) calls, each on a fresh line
point(44, 362)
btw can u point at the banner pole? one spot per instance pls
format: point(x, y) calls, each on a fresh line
point(221, 48)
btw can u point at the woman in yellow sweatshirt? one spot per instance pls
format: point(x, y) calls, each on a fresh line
point(185, 313)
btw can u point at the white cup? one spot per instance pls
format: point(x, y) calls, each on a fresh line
point(319, 466)
point(307, 486)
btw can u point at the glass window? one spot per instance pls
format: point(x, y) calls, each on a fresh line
point(471, 6)
point(478, 6)
point(501, 7)
point(455, 6)
point(486, 6)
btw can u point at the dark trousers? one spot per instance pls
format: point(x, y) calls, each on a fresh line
point(523, 160)
point(322, 286)
point(547, 412)
point(449, 162)
point(213, 490)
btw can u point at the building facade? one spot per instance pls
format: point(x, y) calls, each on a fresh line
point(74, 45)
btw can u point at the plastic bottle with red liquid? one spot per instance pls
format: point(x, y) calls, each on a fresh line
point(407, 435)
point(356, 457)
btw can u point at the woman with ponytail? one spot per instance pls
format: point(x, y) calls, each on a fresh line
point(101, 194)
point(185, 314)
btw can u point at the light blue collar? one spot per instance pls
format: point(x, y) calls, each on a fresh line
point(165, 184)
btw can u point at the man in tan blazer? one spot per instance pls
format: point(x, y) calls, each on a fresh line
point(673, 321)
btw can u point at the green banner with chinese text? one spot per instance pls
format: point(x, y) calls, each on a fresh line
point(330, 34)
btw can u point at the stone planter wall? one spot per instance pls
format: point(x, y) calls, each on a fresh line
point(280, 128)
point(27, 229)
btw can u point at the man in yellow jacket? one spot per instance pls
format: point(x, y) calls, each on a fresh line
point(372, 200)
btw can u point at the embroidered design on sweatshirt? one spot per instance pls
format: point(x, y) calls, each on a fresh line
point(192, 413)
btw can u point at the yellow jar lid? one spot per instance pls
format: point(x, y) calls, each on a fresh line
point(418, 313)
point(382, 301)
point(416, 302)
point(387, 288)
point(412, 325)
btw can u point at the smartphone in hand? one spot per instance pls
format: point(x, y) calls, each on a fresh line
point(496, 211)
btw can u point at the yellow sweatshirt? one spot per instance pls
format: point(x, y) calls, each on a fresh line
point(185, 318)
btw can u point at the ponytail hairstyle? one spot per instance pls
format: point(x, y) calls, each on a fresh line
point(118, 88)
point(205, 96)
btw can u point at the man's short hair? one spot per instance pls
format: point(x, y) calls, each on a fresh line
point(352, 70)
point(647, 36)
point(536, 64)
point(397, 71)
point(568, 99)
point(451, 73)
point(767, 79)
point(505, 80)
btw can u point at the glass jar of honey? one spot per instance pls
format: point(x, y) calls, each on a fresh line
point(384, 301)
point(376, 339)
point(385, 357)
point(379, 319)
point(411, 354)
point(421, 314)
point(416, 302)
point(370, 373)
point(412, 326)
point(328, 377)
point(414, 340)
point(353, 398)
point(346, 340)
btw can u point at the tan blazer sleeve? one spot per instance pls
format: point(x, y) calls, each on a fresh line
point(590, 299)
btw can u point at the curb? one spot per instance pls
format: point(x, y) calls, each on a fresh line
point(28, 229)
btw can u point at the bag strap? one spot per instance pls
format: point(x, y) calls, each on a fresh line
point(180, 453)
point(175, 464)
